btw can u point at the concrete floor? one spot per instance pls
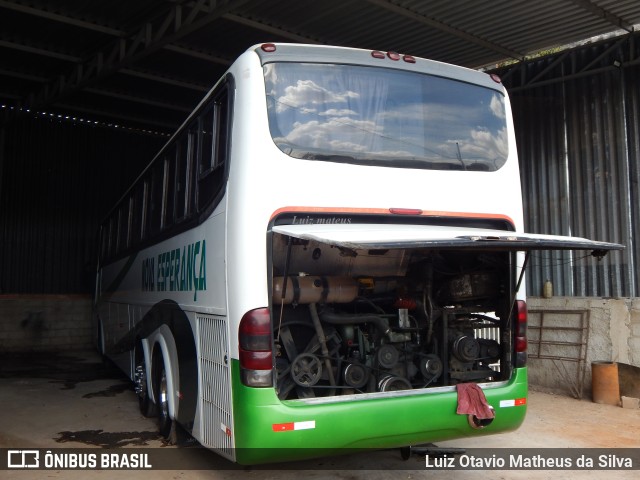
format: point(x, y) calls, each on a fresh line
point(75, 401)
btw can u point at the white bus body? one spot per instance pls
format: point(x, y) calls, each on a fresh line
point(406, 256)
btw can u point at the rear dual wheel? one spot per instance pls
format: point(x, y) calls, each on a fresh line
point(167, 426)
point(147, 407)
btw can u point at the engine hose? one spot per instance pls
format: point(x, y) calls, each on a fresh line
point(323, 341)
point(426, 301)
point(348, 319)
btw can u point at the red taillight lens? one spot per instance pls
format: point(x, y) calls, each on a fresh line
point(521, 325)
point(268, 47)
point(255, 330)
point(255, 342)
point(521, 333)
point(255, 360)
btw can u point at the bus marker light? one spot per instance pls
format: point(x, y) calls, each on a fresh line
point(377, 54)
point(405, 211)
point(518, 402)
point(291, 426)
point(393, 56)
point(268, 47)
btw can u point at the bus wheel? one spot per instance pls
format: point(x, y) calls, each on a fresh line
point(147, 407)
point(166, 425)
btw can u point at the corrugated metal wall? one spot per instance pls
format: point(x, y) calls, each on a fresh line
point(577, 117)
point(57, 180)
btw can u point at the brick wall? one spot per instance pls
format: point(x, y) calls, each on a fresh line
point(45, 323)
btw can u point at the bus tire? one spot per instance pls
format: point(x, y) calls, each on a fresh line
point(165, 422)
point(147, 407)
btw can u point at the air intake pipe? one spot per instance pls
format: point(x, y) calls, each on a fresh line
point(350, 319)
point(304, 290)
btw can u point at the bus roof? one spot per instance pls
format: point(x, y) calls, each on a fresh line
point(290, 52)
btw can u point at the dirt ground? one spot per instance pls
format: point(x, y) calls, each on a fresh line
point(75, 401)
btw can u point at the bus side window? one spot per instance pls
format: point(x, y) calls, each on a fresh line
point(104, 242)
point(112, 230)
point(123, 226)
point(121, 236)
point(144, 205)
point(137, 206)
point(214, 133)
point(155, 208)
point(169, 186)
point(183, 168)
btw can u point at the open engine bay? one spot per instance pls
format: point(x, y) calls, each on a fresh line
point(360, 321)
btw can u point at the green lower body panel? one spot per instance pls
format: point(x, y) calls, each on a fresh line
point(269, 430)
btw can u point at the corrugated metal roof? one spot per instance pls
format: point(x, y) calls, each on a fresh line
point(72, 56)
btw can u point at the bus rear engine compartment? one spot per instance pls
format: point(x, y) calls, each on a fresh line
point(353, 322)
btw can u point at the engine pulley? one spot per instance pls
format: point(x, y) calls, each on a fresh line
point(306, 370)
point(431, 366)
point(392, 383)
point(356, 375)
point(466, 348)
point(388, 356)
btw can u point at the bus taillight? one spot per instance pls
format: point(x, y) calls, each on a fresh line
point(255, 348)
point(521, 333)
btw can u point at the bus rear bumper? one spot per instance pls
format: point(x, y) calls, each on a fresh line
point(268, 430)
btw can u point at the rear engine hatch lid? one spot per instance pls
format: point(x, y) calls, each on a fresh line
point(398, 236)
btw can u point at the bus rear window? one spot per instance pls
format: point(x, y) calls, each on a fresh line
point(377, 116)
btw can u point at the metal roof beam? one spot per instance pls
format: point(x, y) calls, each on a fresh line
point(162, 79)
point(71, 58)
point(179, 21)
point(110, 115)
point(432, 22)
point(42, 12)
point(126, 71)
point(551, 66)
point(611, 48)
point(571, 70)
point(209, 57)
point(22, 75)
point(266, 28)
point(136, 99)
point(39, 51)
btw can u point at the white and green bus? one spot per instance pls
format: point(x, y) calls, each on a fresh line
point(326, 249)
